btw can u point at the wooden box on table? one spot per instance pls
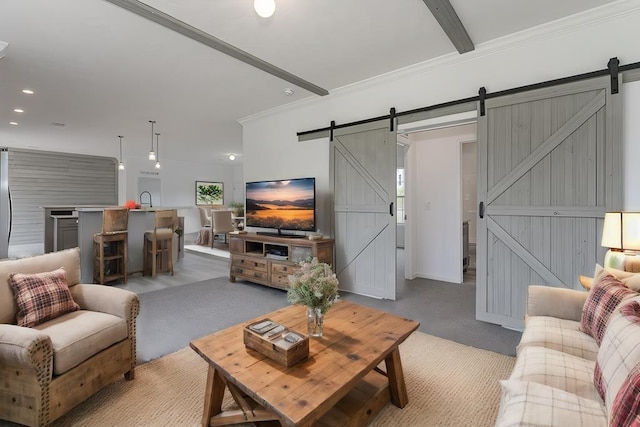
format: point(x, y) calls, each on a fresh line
point(273, 345)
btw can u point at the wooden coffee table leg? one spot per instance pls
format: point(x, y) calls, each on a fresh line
point(213, 395)
point(397, 386)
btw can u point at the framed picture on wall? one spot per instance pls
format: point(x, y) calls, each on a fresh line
point(209, 193)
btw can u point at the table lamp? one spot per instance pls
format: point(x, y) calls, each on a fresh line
point(621, 234)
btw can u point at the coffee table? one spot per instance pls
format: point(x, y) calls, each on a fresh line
point(340, 382)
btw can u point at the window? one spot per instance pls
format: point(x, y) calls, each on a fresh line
point(400, 197)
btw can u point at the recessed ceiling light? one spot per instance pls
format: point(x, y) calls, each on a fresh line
point(27, 91)
point(13, 123)
point(232, 156)
point(18, 110)
point(288, 91)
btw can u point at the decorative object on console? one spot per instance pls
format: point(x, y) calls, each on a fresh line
point(621, 234)
point(209, 193)
point(315, 286)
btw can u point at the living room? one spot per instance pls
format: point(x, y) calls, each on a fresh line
point(270, 147)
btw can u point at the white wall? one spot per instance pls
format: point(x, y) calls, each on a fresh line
point(178, 180)
point(568, 47)
point(437, 202)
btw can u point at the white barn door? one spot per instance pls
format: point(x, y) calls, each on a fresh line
point(549, 166)
point(363, 159)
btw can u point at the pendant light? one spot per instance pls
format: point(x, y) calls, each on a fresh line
point(158, 151)
point(152, 154)
point(120, 164)
point(264, 8)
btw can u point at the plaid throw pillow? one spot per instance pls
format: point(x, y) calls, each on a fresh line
point(617, 370)
point(605, 295)
point(626, 406)
point(41, 297)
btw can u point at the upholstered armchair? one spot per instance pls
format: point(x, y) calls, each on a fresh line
point(50, 367)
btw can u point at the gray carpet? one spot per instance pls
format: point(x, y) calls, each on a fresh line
point(170, 318)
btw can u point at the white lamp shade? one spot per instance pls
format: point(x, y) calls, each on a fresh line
point(621, 230)
point(264, 8)
point(631, 231)
point(612, 230)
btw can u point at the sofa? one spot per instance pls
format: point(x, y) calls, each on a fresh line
point(578, 361)
point(48, 368)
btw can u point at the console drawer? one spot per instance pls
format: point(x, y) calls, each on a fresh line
point(252, 263)
point(249, 273)
point(285, 269)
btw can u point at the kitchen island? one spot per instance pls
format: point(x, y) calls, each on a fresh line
point(140, 220)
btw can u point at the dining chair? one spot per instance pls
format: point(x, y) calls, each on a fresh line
point(221, 223)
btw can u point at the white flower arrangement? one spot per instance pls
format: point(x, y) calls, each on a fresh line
point(314, 285)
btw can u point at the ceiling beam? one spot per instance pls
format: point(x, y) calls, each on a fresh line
point(194, 33)
point(451, 24)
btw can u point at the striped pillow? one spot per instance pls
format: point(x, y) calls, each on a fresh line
point(41, 296)
point(605, 295)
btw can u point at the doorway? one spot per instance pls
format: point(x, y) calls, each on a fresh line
point(435, 215)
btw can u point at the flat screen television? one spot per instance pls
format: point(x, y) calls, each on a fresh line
point(281, 205)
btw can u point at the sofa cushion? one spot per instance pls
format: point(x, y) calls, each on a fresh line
point(531, 404)
point(605, 295)
point(556, 369)
point(41, 296)
point(79, 335)
point(558, 334)
point(619, 359)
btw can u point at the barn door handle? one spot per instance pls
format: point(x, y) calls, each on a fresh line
point(391, 208)
point(481, 210)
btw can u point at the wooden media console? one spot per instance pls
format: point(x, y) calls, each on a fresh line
point(269, 260)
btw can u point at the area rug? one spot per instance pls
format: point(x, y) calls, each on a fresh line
point(449, 384)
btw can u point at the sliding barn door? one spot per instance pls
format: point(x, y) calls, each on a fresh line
point(363, 159)
point(549, 167)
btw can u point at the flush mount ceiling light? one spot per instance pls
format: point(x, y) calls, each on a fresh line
point(288, 91)
point(152, 154)
point(13, 123)
point(264, 8)
point(28, 91)
point(18, 110)
point(232, 156)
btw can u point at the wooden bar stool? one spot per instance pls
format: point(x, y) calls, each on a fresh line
point(158, 243)
point(110, 247)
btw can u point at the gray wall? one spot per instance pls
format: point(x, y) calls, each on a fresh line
point(43, 178)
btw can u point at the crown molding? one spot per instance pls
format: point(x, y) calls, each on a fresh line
point(589, 18)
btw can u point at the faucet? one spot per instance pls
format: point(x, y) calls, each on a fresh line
point(150, 203)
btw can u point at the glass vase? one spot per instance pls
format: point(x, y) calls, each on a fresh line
point(314, 322)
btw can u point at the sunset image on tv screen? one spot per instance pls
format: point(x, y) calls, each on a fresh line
point(285, 204)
